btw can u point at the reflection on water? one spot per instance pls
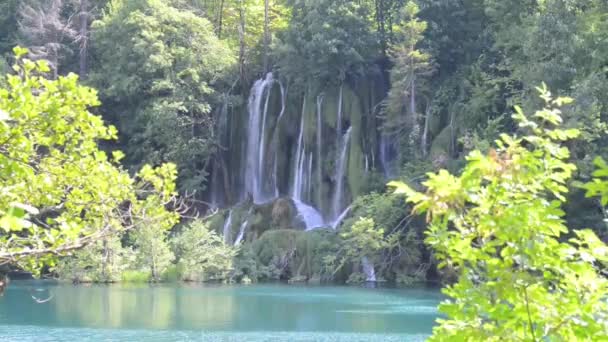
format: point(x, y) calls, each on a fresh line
point(221, 313)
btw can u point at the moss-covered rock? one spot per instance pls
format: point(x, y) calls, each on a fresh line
point(440, 146)
point(282, 213)
point(356, 159)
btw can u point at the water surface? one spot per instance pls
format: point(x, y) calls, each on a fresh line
point(215, 313)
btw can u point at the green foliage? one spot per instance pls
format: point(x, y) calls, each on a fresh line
point(202, 254)
point(133, 276)
point(158, 67)
point(400, 257)
point(246, 266)
point(408, 61)
point(313, 247)
point(327, 41)
point(276, 250)
point(171, 274)
point(295, 255)
point(382, 208)
point(521, 272)
point(8, 26)
point(363, 239)
point(409, 76)
point(599, 185)
point(152, 249)
point(104, 261)
point(60, 192)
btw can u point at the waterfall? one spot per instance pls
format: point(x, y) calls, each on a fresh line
point(299, 161)
point(309, 215)
point(309, 176)
point(388, 154)
point(319, 147)
point(339, 116)
point(340, 218)
point(217, 196)
point(383, 155)
point(256, 132)
point(275, 142)
point(262, 136)
point(241, 235)
point(227, 225)
point(301, 180)
point(340, 173)
point(368, 269)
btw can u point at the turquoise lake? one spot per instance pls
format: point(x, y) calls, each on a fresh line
point(274, 312)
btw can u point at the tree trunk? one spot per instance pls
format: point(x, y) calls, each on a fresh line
point(413, 120)
point(104, 260)
point(220, 19)
point(452, 133)
point(381, 26)
point(84, 37)
point(3, 283)
point(153, 269)
point(425, 132)
point(266, 35)
point(241, 41)
point(226, 179)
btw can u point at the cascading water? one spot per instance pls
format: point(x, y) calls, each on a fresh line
point(239, 238)
point(227, 226)
point(309, 176)
point(275, 142)
point(340, 218)
point(340, 173)
point(319, 146)
point(217, 195)
point(302, 182)
point(387, 155)
point(368, 269)
point(299, 161)
point(309, 215)
point(263, 134)
point(256, 130)
point(339, 116)
point(258, 170)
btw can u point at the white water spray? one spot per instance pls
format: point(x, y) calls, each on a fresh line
point(302, 183)
point(254, 174)
point(319, 146)
point(227, 226)
point(340, 218)
point(340, 173)
point(241, 235)
point(368, 269)
point(309, 215)
point(299, 161)
point(275, 142)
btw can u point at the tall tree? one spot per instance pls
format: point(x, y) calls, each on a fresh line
point(499, 224)
point(8, 25)
point(45, 32)
point(327, 42)
point(84, 16)
point(157, 67)
point(266, 34)
point(411, 66)
point(60, 191)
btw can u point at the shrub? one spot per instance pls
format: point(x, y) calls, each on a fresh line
point(522, 275)
point(135, 276)
point(202, 254)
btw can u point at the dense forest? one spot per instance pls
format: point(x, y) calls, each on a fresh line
point(281, 123)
